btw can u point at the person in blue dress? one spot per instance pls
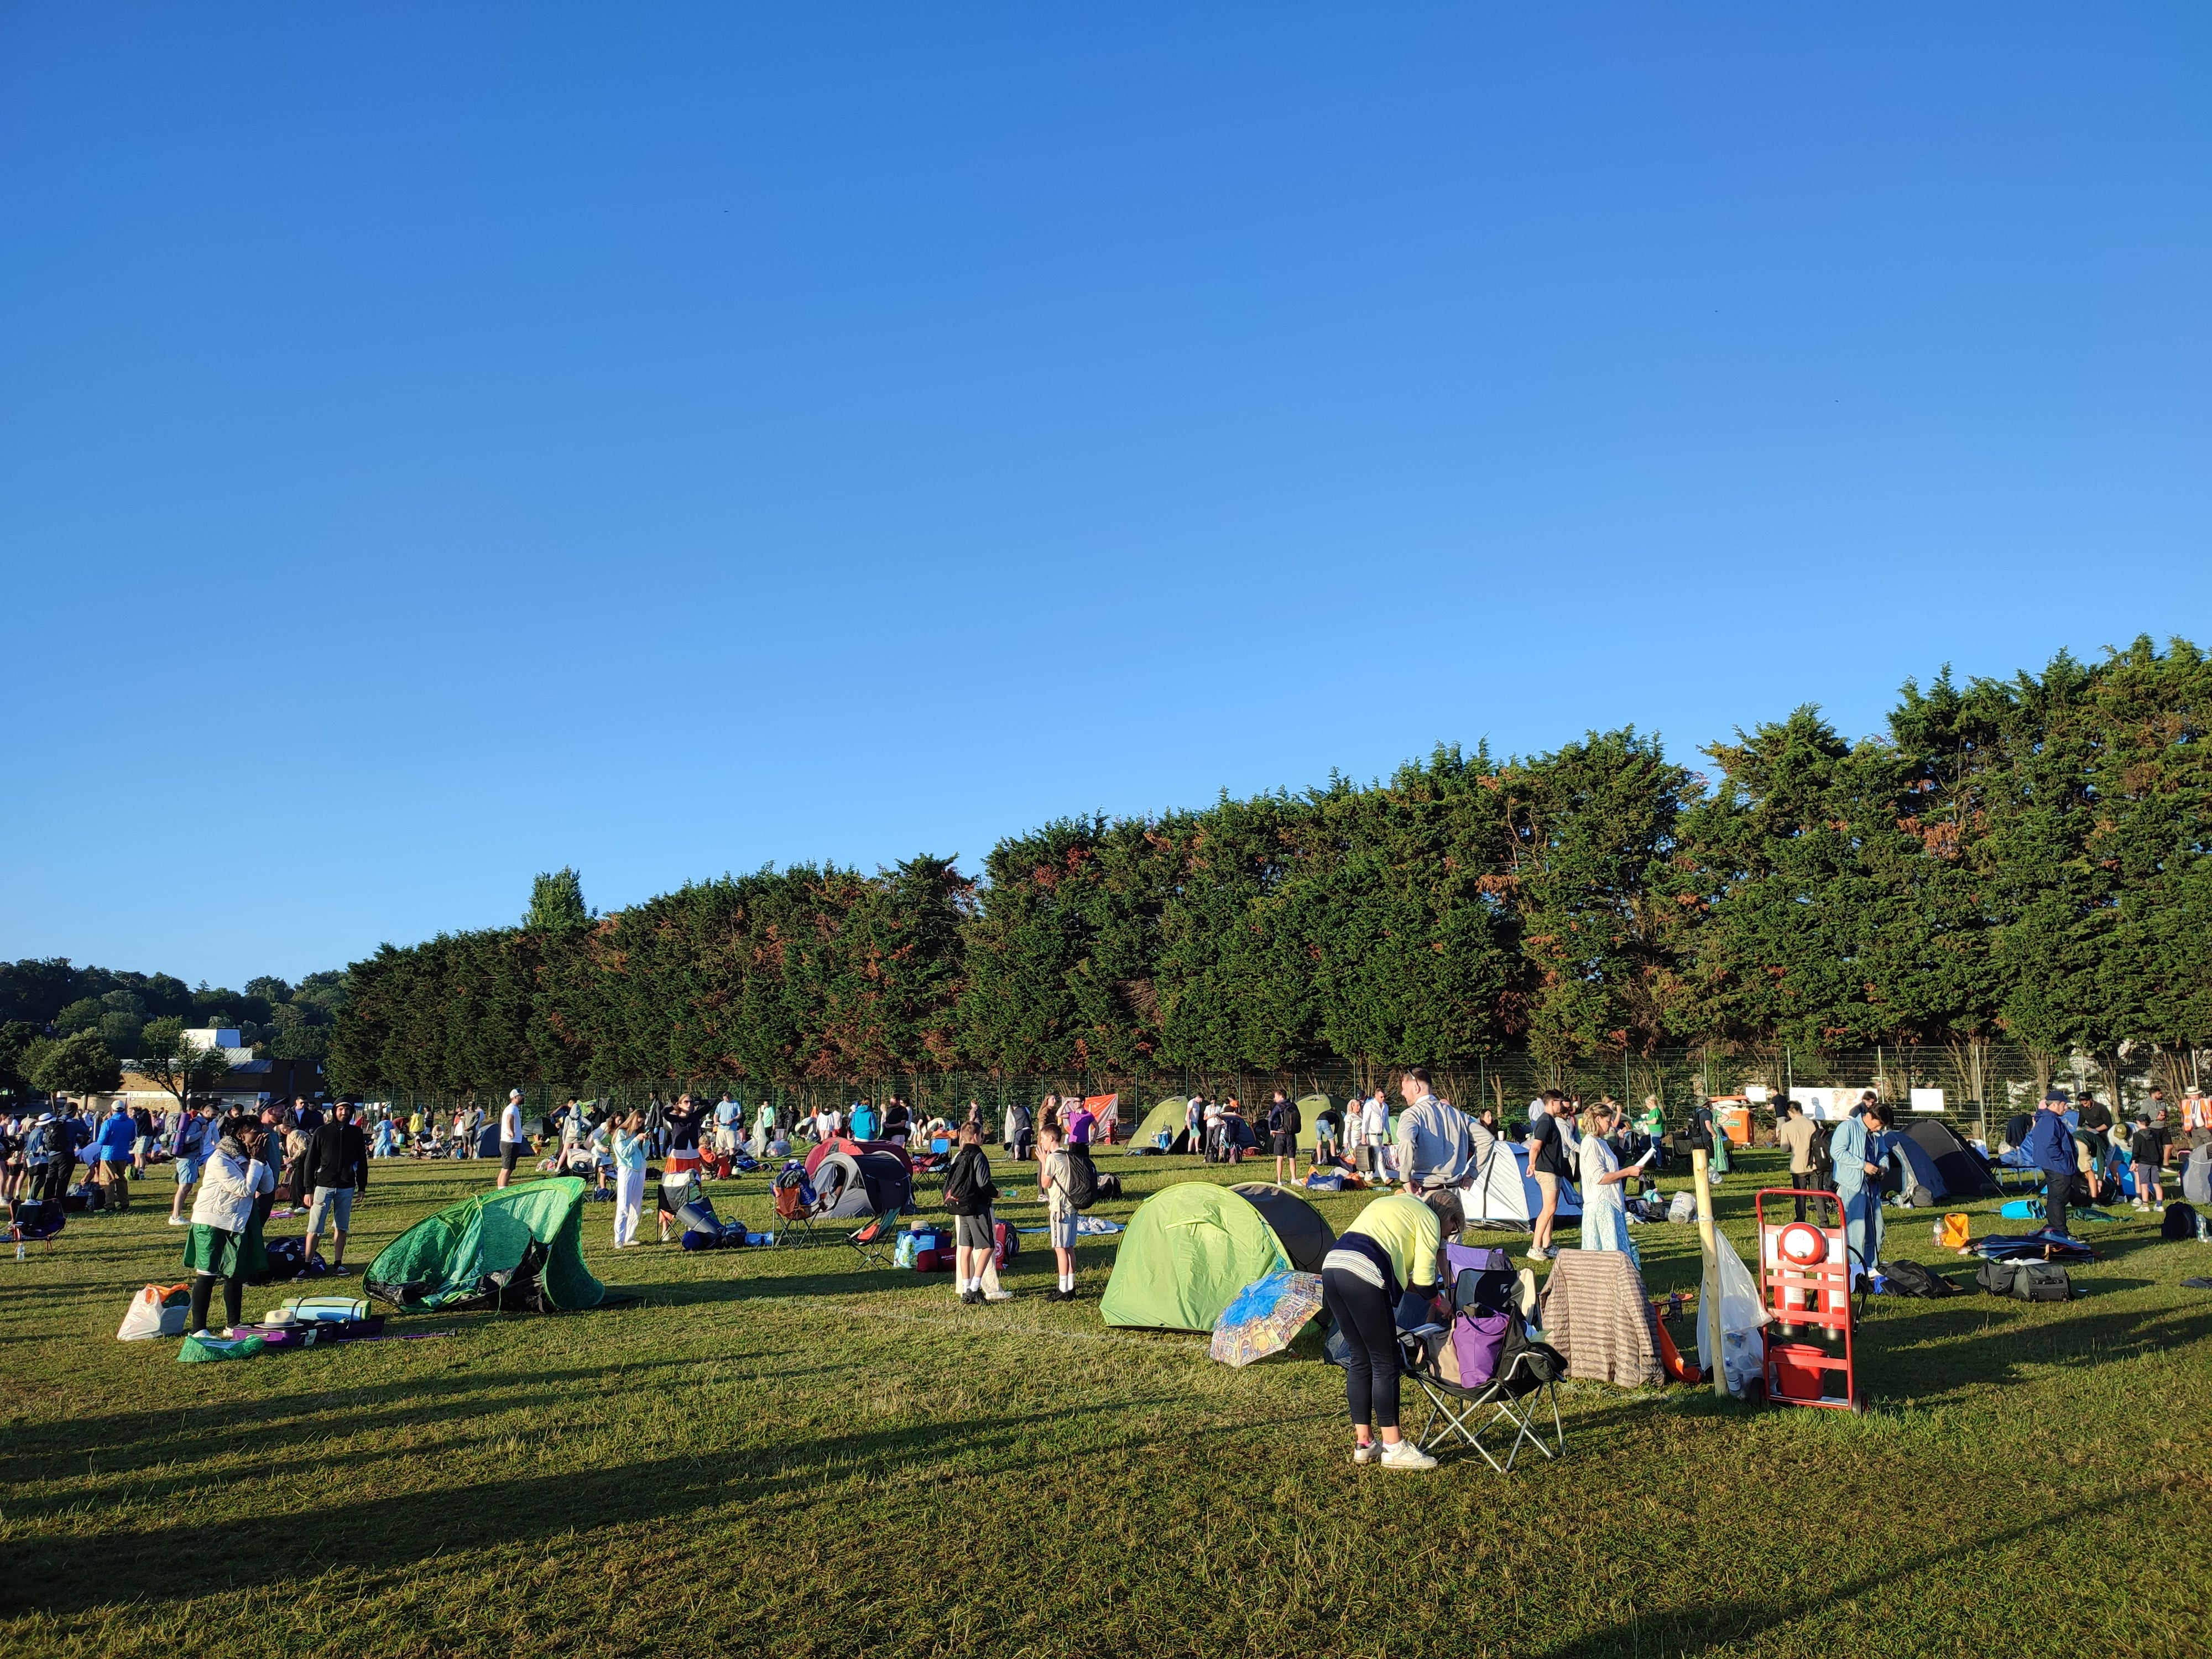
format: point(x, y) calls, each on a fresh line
point(1860, 1149)
point(1605, 1216)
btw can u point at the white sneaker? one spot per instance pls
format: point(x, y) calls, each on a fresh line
point(1367, 1451)
point(998, 1296)
point(1405, 1455)
point(179, 1221)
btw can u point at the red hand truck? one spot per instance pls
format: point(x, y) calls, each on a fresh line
point(1805, 1287)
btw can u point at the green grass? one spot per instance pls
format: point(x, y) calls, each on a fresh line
point(779, 1452)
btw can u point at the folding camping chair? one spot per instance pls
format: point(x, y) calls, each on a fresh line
point(874, 1238)
point(1499, 1371)
point(35, 1221)
point(795, 1205)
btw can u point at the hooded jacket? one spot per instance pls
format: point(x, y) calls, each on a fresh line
point(229, 1187)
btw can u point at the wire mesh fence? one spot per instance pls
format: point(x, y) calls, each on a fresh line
point(1976, 1084)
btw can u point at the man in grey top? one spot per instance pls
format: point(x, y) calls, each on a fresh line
point(1432, 1149)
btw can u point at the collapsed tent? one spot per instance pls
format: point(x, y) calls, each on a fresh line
point(1504, 1194)
point(518, 1249)
point(849, 1184)
point(1192, 1247)
point(1931, 1148)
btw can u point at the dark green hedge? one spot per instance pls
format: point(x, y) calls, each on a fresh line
point(2029, 858)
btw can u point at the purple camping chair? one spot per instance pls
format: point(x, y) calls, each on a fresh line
point(1494, 1368)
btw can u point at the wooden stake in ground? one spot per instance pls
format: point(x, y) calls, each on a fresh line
point(1708, 1307)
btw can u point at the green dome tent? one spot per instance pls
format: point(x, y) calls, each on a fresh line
point(1192, 1247)
point(1168, 1115)
point(516, 1247)
point(1310, 1107)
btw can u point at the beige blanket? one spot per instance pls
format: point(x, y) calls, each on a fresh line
point(1594, 1311)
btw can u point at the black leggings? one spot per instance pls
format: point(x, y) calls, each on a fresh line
point(1362, 1312)
point(203, 1286)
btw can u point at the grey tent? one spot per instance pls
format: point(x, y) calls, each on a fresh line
point(851, 1185)
point(1306, 1237)
point(1958, 1170)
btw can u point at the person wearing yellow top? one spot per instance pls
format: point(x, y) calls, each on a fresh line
point(1391, 1252)
point(1410, 1232)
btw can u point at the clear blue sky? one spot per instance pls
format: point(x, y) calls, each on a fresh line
point(439, 443)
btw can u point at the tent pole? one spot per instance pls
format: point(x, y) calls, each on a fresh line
point(1708, 1311)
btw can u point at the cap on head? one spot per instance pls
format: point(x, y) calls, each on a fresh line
point(514, 1094)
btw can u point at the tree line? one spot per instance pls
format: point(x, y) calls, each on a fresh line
point(2027, 858)
point(63, 1027)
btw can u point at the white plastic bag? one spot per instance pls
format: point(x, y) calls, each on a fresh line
point(1683, 1208)
point(149, 1316)
point(1742, 1351)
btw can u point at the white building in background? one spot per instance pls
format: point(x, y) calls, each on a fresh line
point(248, 1088)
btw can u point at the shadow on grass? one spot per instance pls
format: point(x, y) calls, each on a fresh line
point(1715, 1622)
point(1989, 1340)
point(62, 1573)
point(181, 1437)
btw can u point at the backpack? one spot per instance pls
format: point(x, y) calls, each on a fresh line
point(1911, 1278)
point(2041, 1281)
point(1823, 1160)
point(964, 1184)
point(2180, 1221)
point(1081, 1186)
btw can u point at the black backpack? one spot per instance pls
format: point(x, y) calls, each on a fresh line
point(964, 1184)
point(1823, 1161)
point(1081, 1187)
point(1911, 1278)
point(2180, 1221)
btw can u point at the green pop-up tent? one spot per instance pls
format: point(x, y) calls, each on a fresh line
point(1168, 1115)
point(1310, 1107)
point(517, 1247)
point(1192, 1247)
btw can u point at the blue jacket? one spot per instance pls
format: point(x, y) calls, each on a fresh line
point(2051, 1144)
point(117, 1136)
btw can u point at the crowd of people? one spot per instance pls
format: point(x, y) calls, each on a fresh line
point(228, 1169)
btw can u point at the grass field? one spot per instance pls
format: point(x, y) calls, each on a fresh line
point(777, 1452)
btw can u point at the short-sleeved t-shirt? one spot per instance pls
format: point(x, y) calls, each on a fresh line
point(1796, 1134)
point(510, 1122)
point(1550, 1157)
point(1409, 1230)
point(1055, 1173)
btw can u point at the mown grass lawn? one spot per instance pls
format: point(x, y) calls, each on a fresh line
point(779, 1452)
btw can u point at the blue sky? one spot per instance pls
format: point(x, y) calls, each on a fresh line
point(441, 444)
